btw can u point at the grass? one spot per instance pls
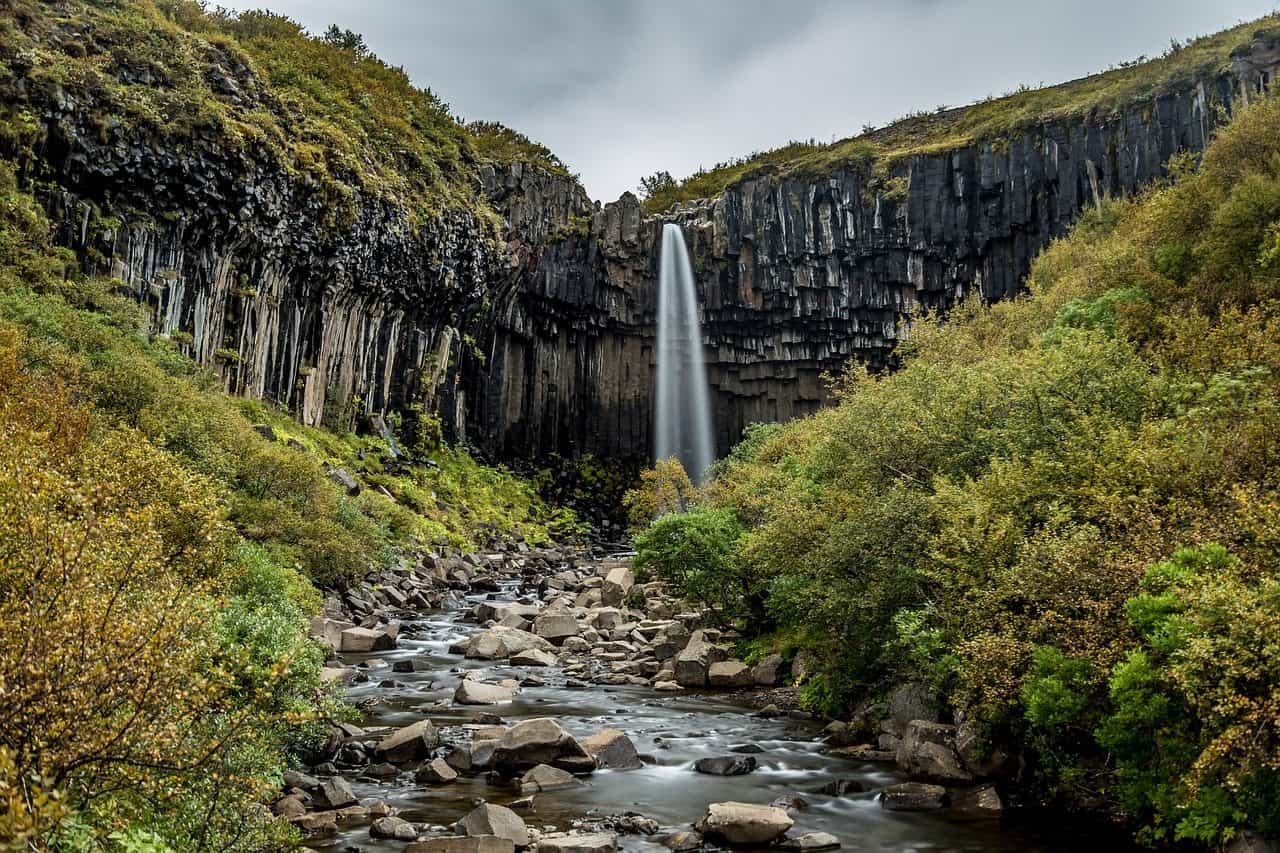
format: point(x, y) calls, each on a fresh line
point(991, 119)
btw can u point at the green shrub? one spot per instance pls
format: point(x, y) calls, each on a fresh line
point(695, 552)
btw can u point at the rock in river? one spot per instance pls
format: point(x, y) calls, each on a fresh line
point(462, 844)
point(409, 743)
point(539, 741)
point(546, 778)
point(744, 823)
point(583, 842)
point(726, 765)
point(612, 750)
point(491, 819)
point(913, 797)
point(472, 692)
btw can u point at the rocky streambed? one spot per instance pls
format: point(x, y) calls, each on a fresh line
point(545, 701)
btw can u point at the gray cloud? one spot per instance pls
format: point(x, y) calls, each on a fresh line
point(622, 88)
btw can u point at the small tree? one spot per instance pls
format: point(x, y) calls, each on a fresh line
point(663, 488)
point(656, 183)
point(347, 40)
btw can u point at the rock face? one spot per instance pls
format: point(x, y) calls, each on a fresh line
point(540, 339)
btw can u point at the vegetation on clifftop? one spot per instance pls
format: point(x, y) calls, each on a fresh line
point(991, 119)
point(1062, 513)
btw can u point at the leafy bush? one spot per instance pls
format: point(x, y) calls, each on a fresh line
point(664, 488)
point(695, 552)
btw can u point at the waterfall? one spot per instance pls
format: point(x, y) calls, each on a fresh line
point(682, 420)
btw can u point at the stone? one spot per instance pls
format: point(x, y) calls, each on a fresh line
point(436, 772)
point(726, 765)
point(462, 844)
point(491, 819)
point(866, 752)
point(811, 842)
point(472, 692)
point(366, 640)
point(695, 659)
point(409, 743)
point(334, 793)
point(297, 779)
point(911, 701)
point(744, 823)
point(617, 584)
point(289, 807)
point(403, 666)
point(980, 803)
point(544, 777)
point(840, 787)
point(730, 673)
point(666, 686)
point(343, 478)
point(768, 672)
point(316, 824)
point(593, 842)
point(556, 627)
point(792, 802)
point(913, 797)
point(329, 630)
point(533, 657)
point(612, 750)
point(497, 643)
point(927, 751)
point(382, 770)
point(394, 828)
point(683, 842)
point(538, 741)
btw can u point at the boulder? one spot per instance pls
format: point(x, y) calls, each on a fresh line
point(289, 807)
point(546, 778)
point(472, 692)
point(683, 842)
point(693, 662)
point(980, 803)
point(617, 585)
point(538, 741)
point(409, 743)
point(533, 657)
point(612, 750)
point(840, 787)
point(436, 772)
point(911, 701)
point(556, 626)
point(913, 797)
point(498, 642)
point(792, 802)
point(768, 672)
point(578, 842)
point(316, 824)
point(730, 673)
point(366, 640)
point(726, 765)
point(744, 823)
point(462, 844)
point(334, 793)
point(811, 842)
point(330, 630)
point(491, 819)
point(393, 828)
point(927, 751)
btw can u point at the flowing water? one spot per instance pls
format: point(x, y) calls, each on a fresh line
point(682, 420)
point(675, 730)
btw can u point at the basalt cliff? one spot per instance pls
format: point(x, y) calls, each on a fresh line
point(525, 317)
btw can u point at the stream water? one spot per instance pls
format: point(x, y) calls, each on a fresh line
point(675, 730)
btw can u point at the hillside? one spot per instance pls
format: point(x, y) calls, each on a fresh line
point(1059, 517)
point(989, 120)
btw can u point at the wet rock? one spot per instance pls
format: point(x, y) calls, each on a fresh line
point(366, 640)
point(744, 823)
point(980, 803)
point(617, 584)
point(927, 751)
point(811, 842)
point(334, 793)
point(746, 749)
point(683, 842)
point(393, 828)
point(769, 711)
point(913, 797)
point(462, 844)
point(382, 770)
point(612, 750)
point(866, 752)
point(410, 743)
point(840, 787)
point(666, 686)
point(316, 824)
point(533, 657)
point(595, 842)
point(403, 666)
point(538, 741)
point(472, 692)
point(546, 778)
point(730, 673)
point(791, 802)
point(491, 819)
point(436, 772)
point(726, 765)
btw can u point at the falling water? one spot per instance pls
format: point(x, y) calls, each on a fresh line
point(682, 426)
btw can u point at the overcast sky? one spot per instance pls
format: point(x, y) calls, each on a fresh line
point(623, 88)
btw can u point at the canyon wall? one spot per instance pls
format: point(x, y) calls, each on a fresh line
point(798, 275)
point(539, 340)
